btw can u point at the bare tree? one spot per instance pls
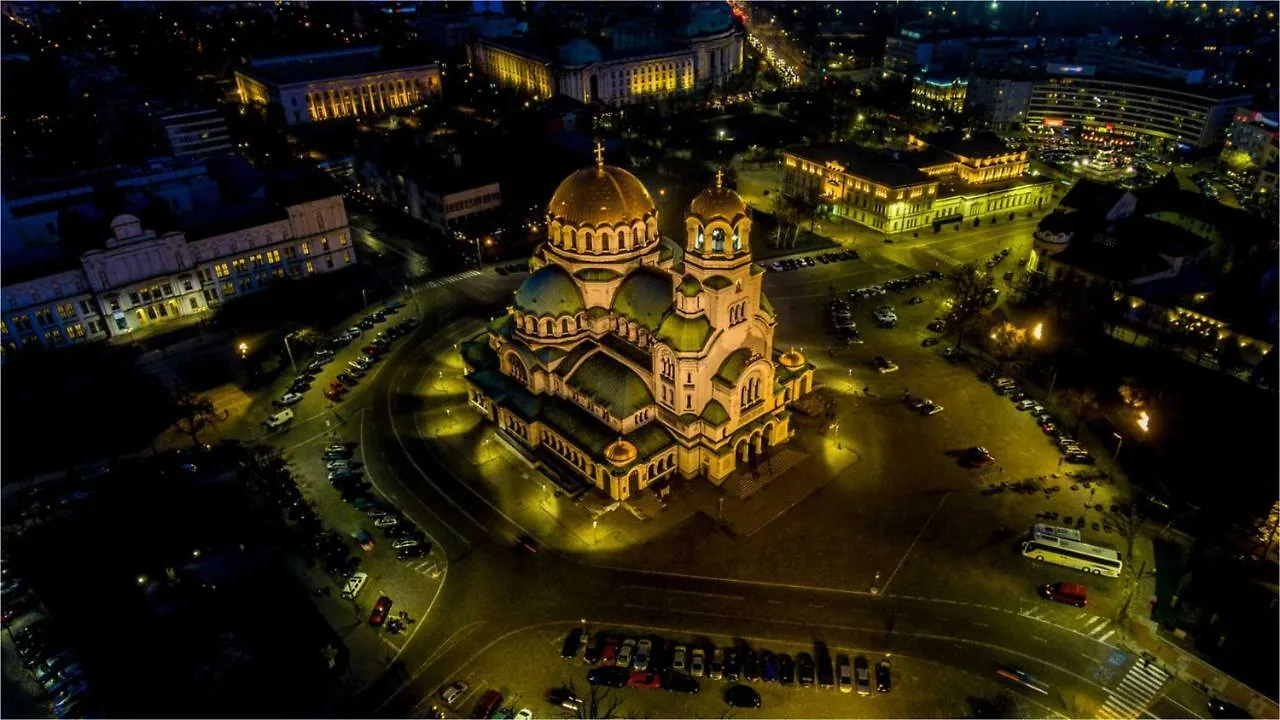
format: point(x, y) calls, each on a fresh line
point(1082, 402)
point(970, 287)
point(600, 703)
point(194, 414)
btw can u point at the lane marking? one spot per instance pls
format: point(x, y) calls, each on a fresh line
point(1104, 637)
point(687, 592)
point(1037, 637)
point(913, 542)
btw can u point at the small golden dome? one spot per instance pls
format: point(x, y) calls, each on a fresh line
point(602, 195)
point(792, 359)
point(620, 452)
point(717, 202)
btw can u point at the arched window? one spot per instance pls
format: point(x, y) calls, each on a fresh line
point(717, 240)
point(737, 239)
point(697, 245)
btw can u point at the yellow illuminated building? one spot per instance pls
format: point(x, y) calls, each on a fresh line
point(332, 85)
point(938, 95)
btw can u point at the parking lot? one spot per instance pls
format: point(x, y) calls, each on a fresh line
point(526, 667)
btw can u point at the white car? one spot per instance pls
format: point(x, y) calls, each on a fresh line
point(678, 657)
point(336, 465)
point(624, 653)
point(454, 692)
point(884, 365)
point(1025, 404)
point(403, 543)
point(386, 521)
point(643, 651)
point(698, 662)
point(524, 714)
point(277, 419)
point(288, 399)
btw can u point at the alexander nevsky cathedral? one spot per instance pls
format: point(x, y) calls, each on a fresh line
point(627, 359)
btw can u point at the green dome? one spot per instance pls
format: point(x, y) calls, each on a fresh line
point(645, 296)
point(549, 291)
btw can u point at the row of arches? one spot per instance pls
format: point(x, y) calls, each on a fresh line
point(604, 240)
point(750, 392)
point(567, 326)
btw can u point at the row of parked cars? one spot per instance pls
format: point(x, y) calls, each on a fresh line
point(56, 668)
point(1072, 450)
point(653, 663)
point(811, 261)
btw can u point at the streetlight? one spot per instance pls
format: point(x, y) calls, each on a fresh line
point(289, 350)
point(1144, 421)
point(244, 350)
point(1037, 332)
point(1119, 444)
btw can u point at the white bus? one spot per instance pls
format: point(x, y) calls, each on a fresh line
point(1072, 554)
point(1041, 530)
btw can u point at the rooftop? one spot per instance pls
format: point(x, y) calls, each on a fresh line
point(881, 168)
point(289, 69)
point(970, 145)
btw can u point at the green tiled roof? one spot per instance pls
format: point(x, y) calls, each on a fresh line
point(757, 269)
point(715, 413)
point(627, 350)
point(650, 438)
point(611, 384)
point(508, 393)
point(478, 355)
point(733, 365)
point(767, 306)
point(575, 356)
point(549, 355)
point(645, 296)
point(685, 334)
point(717, 282)
point(597, 274)
point(571, 421)
point(549, 291)
point(503, 325)
point(690, 287)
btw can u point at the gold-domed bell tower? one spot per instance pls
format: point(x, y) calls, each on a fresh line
point(717, 254)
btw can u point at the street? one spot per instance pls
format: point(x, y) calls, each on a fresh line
point(897, 551)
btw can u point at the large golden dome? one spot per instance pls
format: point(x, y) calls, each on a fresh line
point(601, 195)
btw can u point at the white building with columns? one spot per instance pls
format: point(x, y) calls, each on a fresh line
point(339, 84)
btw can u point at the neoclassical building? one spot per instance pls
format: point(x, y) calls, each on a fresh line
point(625, 358)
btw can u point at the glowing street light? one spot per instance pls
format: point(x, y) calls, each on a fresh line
point(1144, 421)
point(1038, 331)
point(244, 350)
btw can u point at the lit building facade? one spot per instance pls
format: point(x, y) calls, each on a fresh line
point(940, 180)
point(341, 84)
point(1001, 102)
point(143, 279)
point(938, 94)
point(197, 134)
point(626, 360)
point(707, 52)
point(1127, 112)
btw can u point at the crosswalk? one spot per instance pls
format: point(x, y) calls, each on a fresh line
point(1135, 691)
point(449, 280)
point(1095, 626)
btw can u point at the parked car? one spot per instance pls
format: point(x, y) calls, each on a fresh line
point(805, 669)
point(569, 648)
point(698, 662)
point(413, 552)
point(289, 398)
point(884, 676)
point(614, 677)
point(625, 652)
point(609, 656)
point(278, 419)
point(679, 657)
point(862, 675)
point(884, 365)
point(645, 680)
point(741, 696)
point(643, 652)
point(844, 674)
point(380, 610)
point(715, 669)
point(680, 683)
point(489, 703)
point(591, 654)
point(786, 670)
point(768, 667)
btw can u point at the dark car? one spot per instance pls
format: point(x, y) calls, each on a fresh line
point(1223, 709)
point(826, 671)
point(805, 669)
point(884, 676)
point(741, 696)
point(768, 667)
point(732, 666)
point(612, 676)
point(679, 682)
point(594, 645)
point(346, 379)
point(786, 670)
point(489, 703)
point(416, 551)
point(862, 675)
point(751, 667)
point(569, 649)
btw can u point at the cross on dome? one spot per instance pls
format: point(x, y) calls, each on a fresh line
point(719, 178)
point(599, 154)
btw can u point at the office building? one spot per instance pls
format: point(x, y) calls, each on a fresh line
point(938, 94)
point(196, 135)
point(314, 87)
point(1001, 102)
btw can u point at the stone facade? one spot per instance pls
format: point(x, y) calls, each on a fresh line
point(630, 359)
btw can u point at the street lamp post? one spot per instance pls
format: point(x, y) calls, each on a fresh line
point(479, 256)
point(1119, 444)
point(289, 350)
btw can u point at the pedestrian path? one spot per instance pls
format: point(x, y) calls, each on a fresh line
point(1136, 690)
point(449, 280)
point(1095, 626)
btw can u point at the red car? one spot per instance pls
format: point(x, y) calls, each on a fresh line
point(380, 610)
point(369, 350)
point(488, 705)
point(338, 387)
point(648, 680)
point(332, 394)
point(609, 656)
